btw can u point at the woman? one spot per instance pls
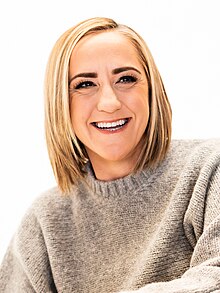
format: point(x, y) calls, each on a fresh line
point(132, 211)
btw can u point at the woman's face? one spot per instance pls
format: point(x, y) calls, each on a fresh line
point(108, 98)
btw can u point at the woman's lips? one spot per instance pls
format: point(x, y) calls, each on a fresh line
point(113, 126)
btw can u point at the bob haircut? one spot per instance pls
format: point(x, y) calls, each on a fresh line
point(67, 154)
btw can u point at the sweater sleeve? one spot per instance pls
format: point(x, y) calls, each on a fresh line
point(203, 275)
point(25, 267)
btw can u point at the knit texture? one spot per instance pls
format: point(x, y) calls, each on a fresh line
point(154, 231)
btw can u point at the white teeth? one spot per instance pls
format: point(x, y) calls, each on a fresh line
point(111, 124)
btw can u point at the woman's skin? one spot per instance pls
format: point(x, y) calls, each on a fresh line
point(108, 102)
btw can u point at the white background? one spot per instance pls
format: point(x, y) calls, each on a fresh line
point(184, 37)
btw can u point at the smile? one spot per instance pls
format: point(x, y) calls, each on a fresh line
point(111, 126)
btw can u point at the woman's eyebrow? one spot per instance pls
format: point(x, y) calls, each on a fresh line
point(125, 68)
point(95, 75)
point(84, 74)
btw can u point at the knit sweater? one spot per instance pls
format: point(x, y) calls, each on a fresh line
point(154, 231)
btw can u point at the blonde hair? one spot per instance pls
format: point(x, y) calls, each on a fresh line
point(67, 154)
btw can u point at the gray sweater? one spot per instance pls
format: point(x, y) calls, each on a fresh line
point(158, 230)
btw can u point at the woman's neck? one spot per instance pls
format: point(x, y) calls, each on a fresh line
point(111, 170)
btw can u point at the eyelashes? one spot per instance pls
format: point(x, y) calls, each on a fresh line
point(84, 84)
point(122, 81)
point(127, 79)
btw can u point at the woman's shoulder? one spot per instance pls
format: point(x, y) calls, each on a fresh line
point(49, 205)
point(54, 200)
point(195, 146)
point(195, 153)
point(212, 143)
point(51, 197)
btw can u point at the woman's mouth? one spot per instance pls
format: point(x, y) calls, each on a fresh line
point(111, 126)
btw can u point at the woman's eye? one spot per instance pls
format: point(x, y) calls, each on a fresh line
point(84, 85)
point(127, 79)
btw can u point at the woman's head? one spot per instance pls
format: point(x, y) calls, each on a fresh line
point(147, 117)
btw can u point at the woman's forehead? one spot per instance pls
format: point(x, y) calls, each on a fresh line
point(104, 48)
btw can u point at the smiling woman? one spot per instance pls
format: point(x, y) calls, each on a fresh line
point(109, 108)
point(133, 210)
point(111, 77)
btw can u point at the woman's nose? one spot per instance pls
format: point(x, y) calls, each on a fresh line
point(108, 100)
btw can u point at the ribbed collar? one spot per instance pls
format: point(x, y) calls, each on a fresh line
point(118, 187)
